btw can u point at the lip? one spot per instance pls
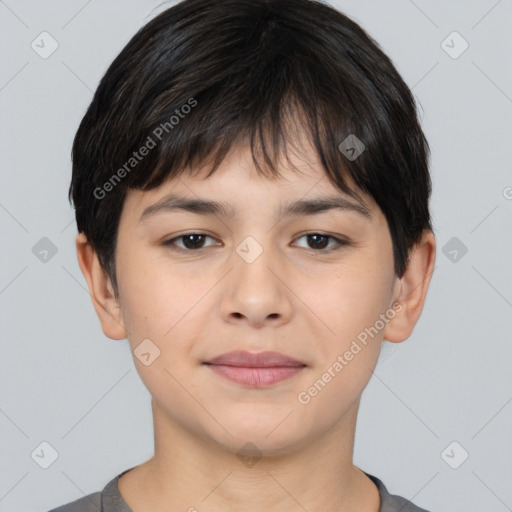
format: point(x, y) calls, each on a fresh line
point(255, 370)
point(255, 360)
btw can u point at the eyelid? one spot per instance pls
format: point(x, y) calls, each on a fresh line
point(340, 241)
point(171, 241)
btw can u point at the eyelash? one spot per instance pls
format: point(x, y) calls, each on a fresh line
point(171, 242)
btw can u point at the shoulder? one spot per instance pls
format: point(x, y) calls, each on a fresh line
point(392, 502)
point(107, 500)
point(397, 503)
point(89, 503)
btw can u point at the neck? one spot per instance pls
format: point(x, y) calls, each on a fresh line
point(192, 473)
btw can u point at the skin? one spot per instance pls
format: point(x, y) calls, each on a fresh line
point(293, 298)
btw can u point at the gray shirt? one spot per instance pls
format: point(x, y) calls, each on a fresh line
point(110, 500)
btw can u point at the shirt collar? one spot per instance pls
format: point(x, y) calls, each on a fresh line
point(112, 501)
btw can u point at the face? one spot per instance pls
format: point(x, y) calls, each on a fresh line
point(316, 287)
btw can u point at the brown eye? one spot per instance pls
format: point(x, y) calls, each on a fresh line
point(191, 242)
point(319, 242)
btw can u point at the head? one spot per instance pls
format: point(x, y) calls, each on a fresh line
point(254, 105)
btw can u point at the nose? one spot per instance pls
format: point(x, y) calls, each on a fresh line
point(255, 291)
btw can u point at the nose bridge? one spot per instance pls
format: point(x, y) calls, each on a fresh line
point(251, 249)
point(252, 259)
point(255, 290)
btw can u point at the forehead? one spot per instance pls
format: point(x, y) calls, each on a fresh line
point(301, 188)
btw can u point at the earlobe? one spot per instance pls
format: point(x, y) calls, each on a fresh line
point(101, 290)
point(412, 289)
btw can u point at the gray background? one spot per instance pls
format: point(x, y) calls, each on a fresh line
point(62, 381)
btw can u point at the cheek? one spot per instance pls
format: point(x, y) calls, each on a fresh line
point(161, 301)
point(158, 304)
point(349, 351)
point(357, 295)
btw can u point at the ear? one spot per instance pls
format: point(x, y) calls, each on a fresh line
point(412, 289)
point(101, 290)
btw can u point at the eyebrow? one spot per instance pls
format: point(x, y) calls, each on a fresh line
point(207, 207)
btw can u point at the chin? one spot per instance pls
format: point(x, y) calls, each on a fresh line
point(262, 440)
point(253, 447)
